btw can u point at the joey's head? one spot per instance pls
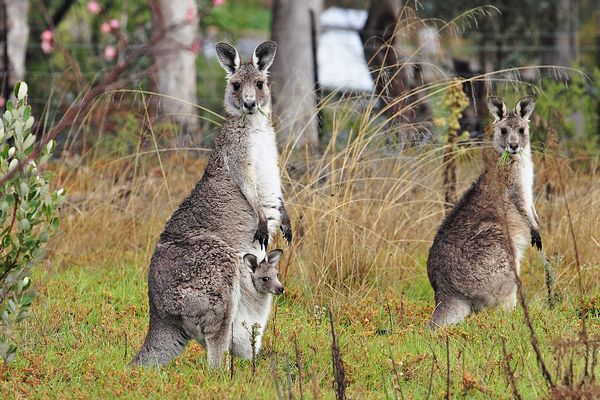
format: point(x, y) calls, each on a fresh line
point(265, 276)
point(247, 88)
point(511, 129)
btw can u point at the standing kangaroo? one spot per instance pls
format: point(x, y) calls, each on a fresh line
point(198, 286)
point(478, 248)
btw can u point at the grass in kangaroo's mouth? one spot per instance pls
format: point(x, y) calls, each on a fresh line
point(504, 158)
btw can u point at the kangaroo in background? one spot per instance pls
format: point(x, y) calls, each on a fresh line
point(478, 248)
point(234, 209)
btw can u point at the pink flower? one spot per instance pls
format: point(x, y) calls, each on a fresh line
point(217, 3)
point(110, 52)
point(190, 14)
point(46, 47)
point(105, 28)
point(196, 46)
point(2, 101)
point(46, 35)
point(114, 23)
point(93, 7)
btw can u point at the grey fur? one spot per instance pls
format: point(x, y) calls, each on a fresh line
point(198, 286)
point(477, 249)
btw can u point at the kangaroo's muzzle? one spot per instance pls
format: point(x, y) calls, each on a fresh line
point(249, 106)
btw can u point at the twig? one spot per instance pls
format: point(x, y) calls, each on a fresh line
point(338, 365)
point(12, 221)
point(533, 336)
point(298, 366)
point(231, 354)
point(509, 372)
point(396, 387)
point(571, 230)
point(289, 377)
point(584, 334)
point(433, 364)
point(278, 391)
point(447, 367)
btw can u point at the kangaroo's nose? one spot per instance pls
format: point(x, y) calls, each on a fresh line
point(280, 290)
point(249, 104)
point(513, 146)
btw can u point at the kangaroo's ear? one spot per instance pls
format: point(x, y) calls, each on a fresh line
point(497, 107)
point(274, 256)
point(264, 55)
point(251, 261)
point(525, 106)
point(228, 57)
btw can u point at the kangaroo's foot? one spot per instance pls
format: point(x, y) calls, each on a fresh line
point(216, 346)
point(510, 302)
point(449, 311)
point(163, 342)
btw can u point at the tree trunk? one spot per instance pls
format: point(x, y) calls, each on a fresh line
point(176, 62)
point(379, 39)
point(383, 56)
point(293, 75)
point(17, 35)
point(565, 41)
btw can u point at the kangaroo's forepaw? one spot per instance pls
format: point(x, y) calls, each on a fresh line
point(536, 239)
point(262, 235)
point(287, 233)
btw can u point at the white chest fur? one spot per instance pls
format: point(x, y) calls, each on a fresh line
point(526, 179)
point(265, 160)
point(525, 171)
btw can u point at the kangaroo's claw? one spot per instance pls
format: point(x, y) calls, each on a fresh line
point(262, 234)
point(287, 233)
point(536, 239)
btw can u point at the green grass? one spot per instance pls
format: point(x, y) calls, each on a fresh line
point(88, 322)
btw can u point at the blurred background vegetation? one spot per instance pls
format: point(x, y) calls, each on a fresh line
point(84, 40)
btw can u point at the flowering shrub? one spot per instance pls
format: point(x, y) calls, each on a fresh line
point(27, 213)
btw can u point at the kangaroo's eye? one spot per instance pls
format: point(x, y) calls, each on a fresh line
point(260, 84)
point(236, 86)
point(266, 279)
point(503, 131)
point(522, 131)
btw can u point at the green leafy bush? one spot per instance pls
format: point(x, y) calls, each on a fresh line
point(28, 211)
point(572, 108)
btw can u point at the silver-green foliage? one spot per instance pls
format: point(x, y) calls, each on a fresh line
point(28, 210)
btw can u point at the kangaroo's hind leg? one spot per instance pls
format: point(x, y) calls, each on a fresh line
point(449, 310)
point(164, 341)
point(216, 346)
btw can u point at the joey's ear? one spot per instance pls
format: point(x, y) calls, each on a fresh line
point(525, 106)
point(251, 262)
point(264, 55)
point(274, 256)
point(497, 107)
point(228, 57)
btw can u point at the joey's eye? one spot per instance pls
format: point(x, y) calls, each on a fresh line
point(236, 86)
point(260, 84)
point(503, 131)
point(522, 131)
point(266, 279)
